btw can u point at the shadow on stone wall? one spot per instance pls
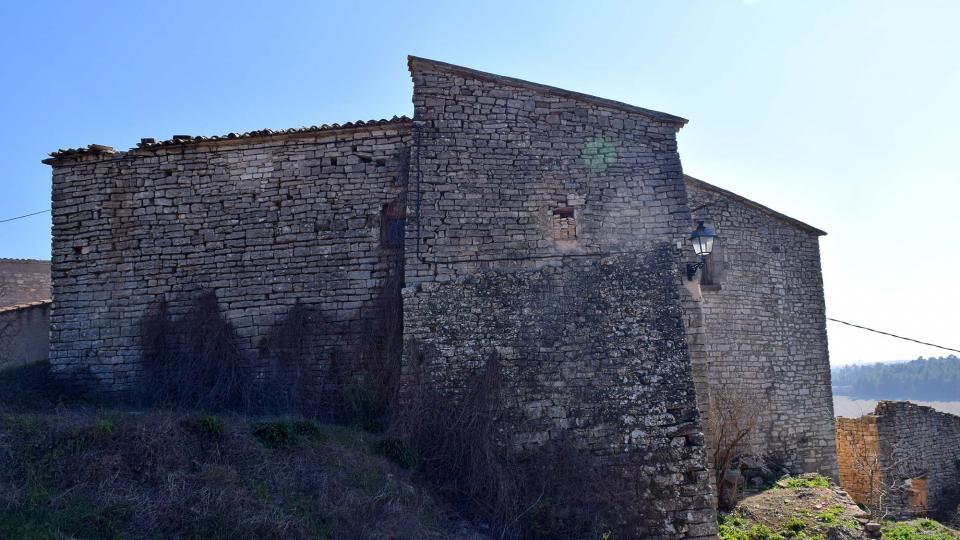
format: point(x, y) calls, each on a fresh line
point(305, 364)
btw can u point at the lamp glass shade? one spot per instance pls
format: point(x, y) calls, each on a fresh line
point(702, 240)
point(703, 246)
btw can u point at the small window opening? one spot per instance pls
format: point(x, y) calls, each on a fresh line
point(393, 222)
point(366, 159)
point(333, 161)
point(564, 224)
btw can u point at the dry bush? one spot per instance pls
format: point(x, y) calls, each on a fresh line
point(558, 491)
point(367, 382)
point(194, 362)
point(734, 415)
point(879, 469)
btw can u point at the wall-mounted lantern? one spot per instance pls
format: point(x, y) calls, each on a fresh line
point(702, 240)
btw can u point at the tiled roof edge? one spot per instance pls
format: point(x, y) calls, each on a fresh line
point(98, 150)
point(26, 305)
point(753, 204)
point(543, 88)
point(13, 259)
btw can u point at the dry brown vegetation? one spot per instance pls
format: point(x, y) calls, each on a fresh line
point(734, 415)
point(173, 475)
point(83, 472)
point(557, 492)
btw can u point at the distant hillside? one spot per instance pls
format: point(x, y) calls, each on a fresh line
point(927, 379)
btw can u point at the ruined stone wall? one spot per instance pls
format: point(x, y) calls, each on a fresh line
point(764, 327)
point(264, 221)
point(24, 334)
point(920, 452)
point(543, 232)
point(23, 281)
point(858, 459)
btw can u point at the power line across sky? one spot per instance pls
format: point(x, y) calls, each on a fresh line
point(25, 216)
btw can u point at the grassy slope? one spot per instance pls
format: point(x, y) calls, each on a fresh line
point(85, 473)
point(811, 508)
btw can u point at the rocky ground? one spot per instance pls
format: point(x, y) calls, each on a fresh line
point(810, 507)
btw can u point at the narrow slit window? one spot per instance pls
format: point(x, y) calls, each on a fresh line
point(393, 222)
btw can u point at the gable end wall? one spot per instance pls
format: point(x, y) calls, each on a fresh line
point(764, 331)
point(587, 331)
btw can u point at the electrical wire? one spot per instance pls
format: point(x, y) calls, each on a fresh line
point(894, 335)
point(24, 216)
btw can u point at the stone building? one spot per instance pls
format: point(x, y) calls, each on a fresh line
point(903, 459)
point(23, 281)
point(764, 325)
point(24, 311)
point(509, 224)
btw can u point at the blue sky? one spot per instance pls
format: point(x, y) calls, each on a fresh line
point(842, 114)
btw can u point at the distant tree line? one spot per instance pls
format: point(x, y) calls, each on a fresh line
point(923, 379)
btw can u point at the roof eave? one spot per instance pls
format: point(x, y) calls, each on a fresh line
point(753, 204)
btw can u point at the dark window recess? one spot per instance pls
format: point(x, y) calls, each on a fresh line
point(564, 224)
point(394, 233)
point(392, 225)
point(712, 272)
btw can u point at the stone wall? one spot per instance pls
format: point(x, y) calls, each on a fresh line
point(547, 231)
point(264, 220)
point(920, 454)
point(858, 459)
point(23, 281)
point(24, 334)
point(543, 231)
point(764, 327)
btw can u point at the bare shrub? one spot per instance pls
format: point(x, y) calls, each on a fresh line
point(362, 362)
point(194, 362)
point(284, 379)
point(369, 385)
point(456, 445)
point(876, 470)
point(556, 491)
point(734, 415)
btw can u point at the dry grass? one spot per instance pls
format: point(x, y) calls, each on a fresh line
point(125, 474)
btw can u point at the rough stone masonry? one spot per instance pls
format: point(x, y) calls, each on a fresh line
point(903, 459)
point(537, 227)
point(24, 311)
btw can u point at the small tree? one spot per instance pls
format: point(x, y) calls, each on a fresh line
point(877, 470)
